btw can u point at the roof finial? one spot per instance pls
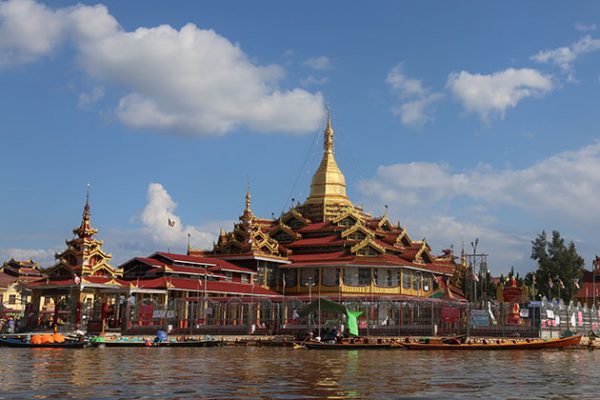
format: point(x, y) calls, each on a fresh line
point(248, 198)
point(386, 211)
point(328, 134)
point(86, 208)
point(189, 247)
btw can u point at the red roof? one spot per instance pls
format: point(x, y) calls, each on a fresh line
point(212, 263)
point(320, 227)
point(198, 286)
point(330, 240)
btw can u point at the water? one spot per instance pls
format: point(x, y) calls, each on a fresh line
point(281, 373)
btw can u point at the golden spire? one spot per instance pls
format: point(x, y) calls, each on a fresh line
point(328, 139)
point(85, 229)
point(328, 183)
point(248, 201)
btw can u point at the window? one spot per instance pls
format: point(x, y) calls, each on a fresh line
point(228, 276)
point(351, 276)
point(244, 278)
point(12, 299)
point(309, 276)
point(406, 279)
point(417, 281)
point(386, 277)
point(364, 276)
point(367, 251)
point(331, 276)
point(427, 283)
point(291, 277)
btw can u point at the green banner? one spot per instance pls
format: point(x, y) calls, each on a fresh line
point(353, 321)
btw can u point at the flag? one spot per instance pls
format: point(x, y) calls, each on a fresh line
point(77, 280)
point(560, 282)
point(170, 222)
point(475, 277)
point(550, 283)
point(576, 283)
point(533, 279)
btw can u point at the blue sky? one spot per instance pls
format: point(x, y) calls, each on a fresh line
point(468, 119)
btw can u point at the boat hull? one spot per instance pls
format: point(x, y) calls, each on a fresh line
point(536, 344)
point(206, 343)
point(21, 344)
point(346, 346)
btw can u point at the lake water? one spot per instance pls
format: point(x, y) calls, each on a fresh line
point(281, 373)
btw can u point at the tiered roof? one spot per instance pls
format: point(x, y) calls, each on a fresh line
point(84, 255)
point(327, 229)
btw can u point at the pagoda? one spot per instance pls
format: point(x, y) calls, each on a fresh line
point(328, 245)
point(84, 255)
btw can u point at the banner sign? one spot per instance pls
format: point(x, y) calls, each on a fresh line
point(480, 318)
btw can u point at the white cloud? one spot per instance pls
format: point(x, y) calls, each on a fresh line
point(28, 31)
point(497, 92)
point(585, 27)
point(417, 105)
point(312, 81)
point(160, 208)
point(320, 63)
point(43, 256)
point(565, 57)
point(191, 80)
point(417, 112)
point(560, 191)
point(404, 86)
point(86, 100)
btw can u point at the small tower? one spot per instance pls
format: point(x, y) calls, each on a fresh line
point(84, 255)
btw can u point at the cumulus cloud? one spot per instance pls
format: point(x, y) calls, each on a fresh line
point(28, 31)
point(320, 63)
point(313, 81)
point(497, 92)
point(43, 256)
point(161, 223)
point(561, 190)
point(565, 57)
point(565, 185)
point(190, 80)
point(88, 99)
point(417, 105)
point(585, 27)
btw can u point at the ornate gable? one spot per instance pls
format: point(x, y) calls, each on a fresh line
point(348, 218)
point(423, 256)
point(357, 232)
point(294, 219)
point(403, 240)
point(284, 234)
point(362, 248)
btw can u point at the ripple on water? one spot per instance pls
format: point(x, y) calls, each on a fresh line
point(250, 373)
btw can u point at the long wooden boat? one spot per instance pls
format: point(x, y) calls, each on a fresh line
point(500, 344)
point(191, 343)
point(346, 346)
point(19, 343)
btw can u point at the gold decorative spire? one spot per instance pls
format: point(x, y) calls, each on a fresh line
point(85, 229)
point(328, 183)
point(328, 139)
point(248, 198)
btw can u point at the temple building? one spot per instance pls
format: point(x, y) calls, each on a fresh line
point(14, 276)
point(329, 246)
point(82, 284)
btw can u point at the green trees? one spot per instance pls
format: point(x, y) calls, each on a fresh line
point(559, 266)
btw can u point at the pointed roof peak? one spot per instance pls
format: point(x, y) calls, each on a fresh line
point(328, 134)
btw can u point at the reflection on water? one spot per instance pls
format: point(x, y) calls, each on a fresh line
point(252, 373)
